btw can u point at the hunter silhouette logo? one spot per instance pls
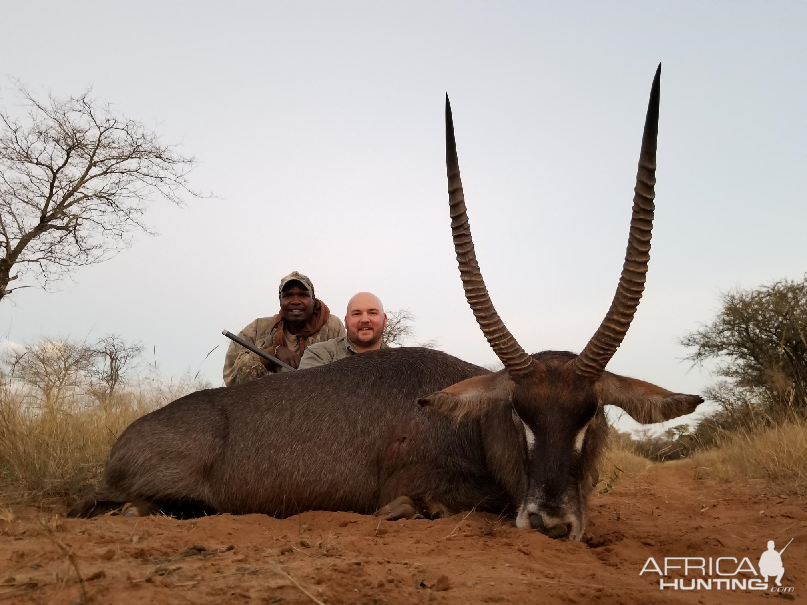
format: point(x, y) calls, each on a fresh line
point(720, 573)
point(770, 563)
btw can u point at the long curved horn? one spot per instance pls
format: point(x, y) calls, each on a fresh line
point(515, 360)
point(601, 348)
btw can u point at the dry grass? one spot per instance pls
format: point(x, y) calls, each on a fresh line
point(56, 450)
point(619, 460)
point(776, 455)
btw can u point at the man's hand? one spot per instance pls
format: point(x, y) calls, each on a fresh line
point(285, 355)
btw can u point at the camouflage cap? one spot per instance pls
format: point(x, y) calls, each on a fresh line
point(298, 277)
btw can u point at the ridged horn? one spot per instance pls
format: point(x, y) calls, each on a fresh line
point(515, 360)
point(601, 348)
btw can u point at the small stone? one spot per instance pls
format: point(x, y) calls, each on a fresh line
point(108, 554)
point(286, 550)
point(442, 583)
point(305, 543)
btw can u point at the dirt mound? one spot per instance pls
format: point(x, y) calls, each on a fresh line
point(347, 558)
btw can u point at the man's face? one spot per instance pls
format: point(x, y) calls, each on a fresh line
point(365, 320)
point(296, 303)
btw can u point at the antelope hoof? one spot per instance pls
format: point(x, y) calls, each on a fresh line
point(437, 510)
point(138, 508)
point(400, 508)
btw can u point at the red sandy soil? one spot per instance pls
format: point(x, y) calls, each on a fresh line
point(347, 558)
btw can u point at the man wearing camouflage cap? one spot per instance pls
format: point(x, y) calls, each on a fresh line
point(302, 321)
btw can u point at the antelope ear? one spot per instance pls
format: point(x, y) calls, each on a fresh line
point(644, 402)
point(472, 397)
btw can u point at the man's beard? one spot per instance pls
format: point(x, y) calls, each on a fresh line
point(353, 336)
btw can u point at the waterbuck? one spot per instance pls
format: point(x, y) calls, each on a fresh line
point(362, 434)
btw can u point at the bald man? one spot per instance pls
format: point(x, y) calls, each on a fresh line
point(365, 322)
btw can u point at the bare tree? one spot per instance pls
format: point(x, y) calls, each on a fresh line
point(56, 368)
point(113, 358)
point(399, 327)
point(75, 179)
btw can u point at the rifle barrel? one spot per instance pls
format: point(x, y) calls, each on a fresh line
point(256, 350)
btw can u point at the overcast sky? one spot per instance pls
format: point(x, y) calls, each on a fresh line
point(319, 126)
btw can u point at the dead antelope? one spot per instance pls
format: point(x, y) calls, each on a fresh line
point(351, 436)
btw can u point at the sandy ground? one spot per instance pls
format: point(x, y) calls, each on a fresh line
point(470, 558)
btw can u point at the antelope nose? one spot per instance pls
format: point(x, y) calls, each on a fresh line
point(553, 531)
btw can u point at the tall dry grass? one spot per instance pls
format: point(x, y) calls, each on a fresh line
point(56, 449)
point(775, 454)
point(620, 460)
point(744, 444)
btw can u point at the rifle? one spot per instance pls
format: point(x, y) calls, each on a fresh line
point(256, 350)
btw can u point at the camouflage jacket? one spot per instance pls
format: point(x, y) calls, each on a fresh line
point(242, 365)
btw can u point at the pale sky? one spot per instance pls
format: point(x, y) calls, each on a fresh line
point(319, 126)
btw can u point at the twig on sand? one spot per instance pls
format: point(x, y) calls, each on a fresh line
point(48, 531)
point(457, 526)
point(286, 575)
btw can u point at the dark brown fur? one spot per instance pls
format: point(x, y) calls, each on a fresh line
point(350, 436)
point(347, 436)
